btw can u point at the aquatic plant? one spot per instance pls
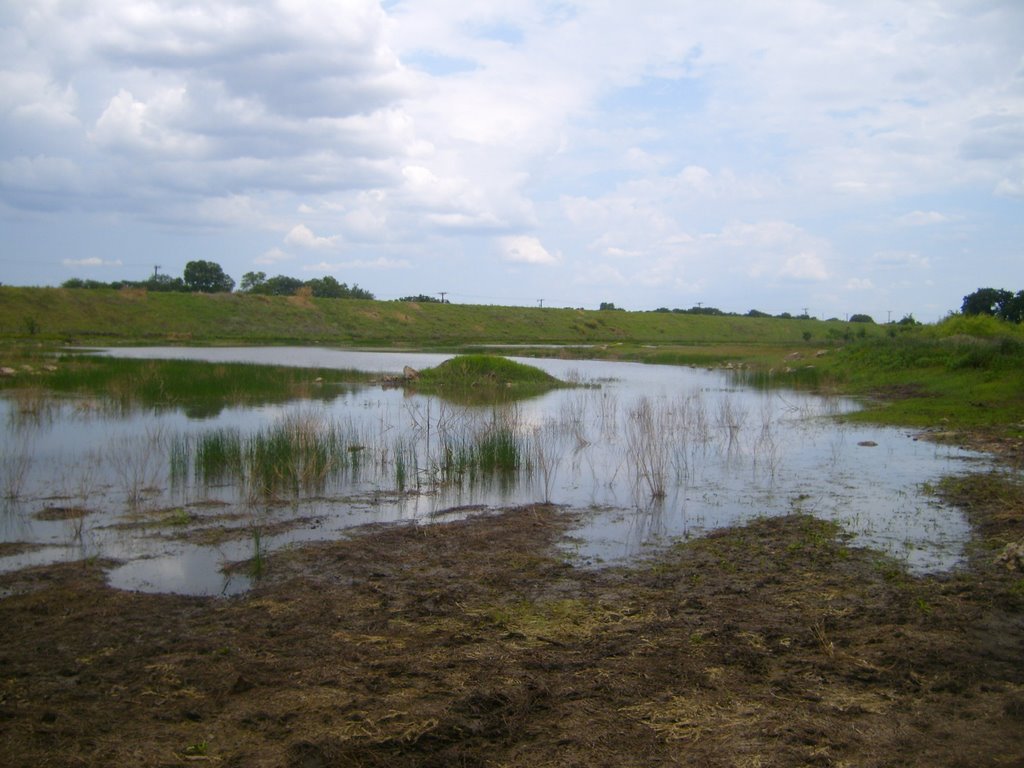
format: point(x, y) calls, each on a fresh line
point(646, 436)
point(218, 456)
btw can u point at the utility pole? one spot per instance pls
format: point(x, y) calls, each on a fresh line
point(805, 312)
point(442, 294)
point(890, 315)
point(156, 270)
point(540, 303)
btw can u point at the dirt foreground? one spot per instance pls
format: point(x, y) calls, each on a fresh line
point(477, 644)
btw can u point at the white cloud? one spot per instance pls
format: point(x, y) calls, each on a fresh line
point(922, 218)
point(805, 266)
point(1010, 187)
point(859, 284)
point(92, 262)
point(899, 260)
point(524, 249)
point(128, 124)
point(273, 256)
point(381, 263)
point(302, 236)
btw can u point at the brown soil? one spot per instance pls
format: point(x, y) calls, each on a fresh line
point(476, 643)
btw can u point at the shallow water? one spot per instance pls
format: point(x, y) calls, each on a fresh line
point(652, 452)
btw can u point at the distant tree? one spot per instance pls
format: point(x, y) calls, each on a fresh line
point(607, 305)
point(908, 320)
point(861, 319)
point(985, 301)
point(77, 282)
point(1013, 308)
point(784, 316)
point(281, 285)
point(421, 299)
point(327, 288)
point(757, 313)
point(207, 277)
point(163, 283)
point(251, 281)
point(355, 292)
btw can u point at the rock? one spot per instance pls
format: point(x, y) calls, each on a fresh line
point(821, 353)
point(794, 356)
point(410, 374)
point(867, 444)
point(6, 372)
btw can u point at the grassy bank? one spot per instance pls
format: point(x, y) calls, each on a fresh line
point(961, 375)
point(117, 317)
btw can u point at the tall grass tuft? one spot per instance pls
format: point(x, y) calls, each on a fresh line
point(218, 456)
point(647, 433)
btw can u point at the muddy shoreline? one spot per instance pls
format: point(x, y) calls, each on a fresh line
point(477, 643)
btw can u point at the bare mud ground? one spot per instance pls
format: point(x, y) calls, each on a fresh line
point(477, 644)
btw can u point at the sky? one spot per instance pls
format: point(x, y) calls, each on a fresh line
point(816, 156)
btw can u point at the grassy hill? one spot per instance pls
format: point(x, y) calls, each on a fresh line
point(130, 316)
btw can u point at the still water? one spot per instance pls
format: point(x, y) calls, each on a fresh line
point(650, 453)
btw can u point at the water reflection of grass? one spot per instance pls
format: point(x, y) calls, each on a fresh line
point(127, 382)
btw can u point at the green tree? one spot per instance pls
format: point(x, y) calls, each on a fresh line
point(985, 301)
point(251, 281)
point(207, 277)
point(163, 283)
point(1013, 308)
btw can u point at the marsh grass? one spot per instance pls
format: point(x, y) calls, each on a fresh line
point(15, 464)
point(647, 429)
point(965, 373)
point(257, 565)
point(137, 462)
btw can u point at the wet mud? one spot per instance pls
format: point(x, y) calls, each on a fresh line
point(480, 643)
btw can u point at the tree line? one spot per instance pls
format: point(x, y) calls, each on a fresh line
point(209, 277)
point(997, 302)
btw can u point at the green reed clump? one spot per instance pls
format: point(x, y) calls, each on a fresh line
point(499, 450)
point(406, 464)
point(218, 456)
point(180, 451)
point(299, 453)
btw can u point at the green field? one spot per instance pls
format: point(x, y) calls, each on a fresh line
point(131, 316)
point(963, 374)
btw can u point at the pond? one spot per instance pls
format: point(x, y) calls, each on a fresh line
point(190, 502)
